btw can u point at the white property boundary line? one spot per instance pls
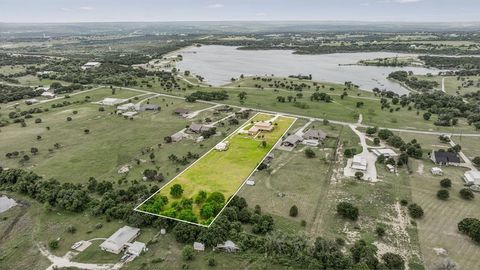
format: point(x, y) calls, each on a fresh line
point(240, 187)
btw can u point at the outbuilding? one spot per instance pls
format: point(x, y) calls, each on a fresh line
point(472, 177)
point(436, 171)
point(198, 246)
point(118, 241)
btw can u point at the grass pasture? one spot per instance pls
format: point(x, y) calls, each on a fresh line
point(112, 142)
point(220, 171)
point(438, 227)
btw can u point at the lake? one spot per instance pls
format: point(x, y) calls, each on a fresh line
point(6, 203)
point(218, 64)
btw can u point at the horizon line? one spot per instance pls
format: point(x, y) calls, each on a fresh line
point(246, 20)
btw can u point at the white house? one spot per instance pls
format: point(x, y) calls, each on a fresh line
point(119, 240)
point(472, 177)
point(359, 163)
point(90, 65)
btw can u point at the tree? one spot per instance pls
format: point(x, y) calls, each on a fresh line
point(38, 121)
point(466, 194)
point(445, 183)
point(187, 253)
point(176, 190)
point(168, 139)
point(380, 231)
point(376, 141)
point(34, 150)
point(415, 211)
point(53, 244)
point(212, 262)
point(476, 161)
point(347, 210)
point(359, 175)
point(393, 261)
point(427, 116)
point(293, 211)
point(242, 96)
point(443, 194)
point(309, 153)
point(69, 118)
point(470, 227)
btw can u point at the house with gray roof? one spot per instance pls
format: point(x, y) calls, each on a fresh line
point(120, 239)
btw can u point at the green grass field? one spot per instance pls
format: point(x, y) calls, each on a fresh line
point(112, 142)
point(222, 171)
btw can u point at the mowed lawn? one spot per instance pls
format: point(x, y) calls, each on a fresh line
point(226, 171)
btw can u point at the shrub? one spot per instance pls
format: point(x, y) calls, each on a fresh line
point(176, 190)
point(69, 118)
point(309, 153)
point(470, 227)
point(303, 223)
point(187, 253)
point(404, 202)
point(445, 183)
point(393, 261)
point(380, 231)
point(415, 211)
point(212, 262)
point(53, 244)
point(347, 210)
point(293, 211)
point(466, 194)
point(71, 229)
point(38, 121)
point(443, 194)
point(359, 175)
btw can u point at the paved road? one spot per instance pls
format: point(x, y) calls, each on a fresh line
point(316, 118)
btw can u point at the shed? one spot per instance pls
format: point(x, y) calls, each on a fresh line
point(198, 246)
point(436, 171)
point(228, 246)
point(136, 248)
point(126, 107)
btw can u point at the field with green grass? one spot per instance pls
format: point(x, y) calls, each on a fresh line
point(219, 171)
point(112, 140)
point(438, 227)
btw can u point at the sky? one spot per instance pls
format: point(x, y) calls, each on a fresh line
point(41, 11)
